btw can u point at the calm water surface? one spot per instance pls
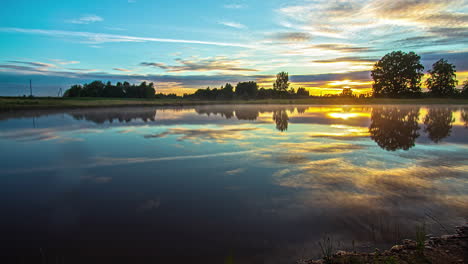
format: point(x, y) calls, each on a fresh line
point(215, 184)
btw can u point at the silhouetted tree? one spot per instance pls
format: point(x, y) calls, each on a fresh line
point(397, 74)
point(227, 92)
point(347, 92)
point(438, 123)
point(442, 80)
point(394, 128)
point(282, 82)
point(247, 89)
point(74, 91)
point(94, 89)
point(464, 91)
point(302, 92)
point(99, 89)
point(113, 91)
point(281, 119)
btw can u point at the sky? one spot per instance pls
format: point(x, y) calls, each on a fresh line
point(183, 45)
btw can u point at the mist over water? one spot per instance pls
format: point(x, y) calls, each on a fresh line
point(256, 184)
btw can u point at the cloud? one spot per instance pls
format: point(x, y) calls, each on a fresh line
point(340, 47)
point(201, 64)
point(121, 70)
point(235, 6)
point(377, 21)
point(232, 24)
point(236, 171)
point(64, 62)
point(86, 19)
point(34, 64)
point(99, 38)
point(351, 59)
point(290, 36)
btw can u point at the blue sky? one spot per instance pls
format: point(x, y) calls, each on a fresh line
point(185, 45)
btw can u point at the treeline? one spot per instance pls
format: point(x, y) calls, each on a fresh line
point(396, 75)
point(120, 90)
point(249, 90)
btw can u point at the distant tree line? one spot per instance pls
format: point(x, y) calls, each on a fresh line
point(398, 74)
point(250, 90)
point(119, 90)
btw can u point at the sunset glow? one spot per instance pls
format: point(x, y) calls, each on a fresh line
point(324, 45)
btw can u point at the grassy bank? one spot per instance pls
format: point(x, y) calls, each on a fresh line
point(16, 103)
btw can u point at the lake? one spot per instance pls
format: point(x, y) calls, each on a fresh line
point(227, 184)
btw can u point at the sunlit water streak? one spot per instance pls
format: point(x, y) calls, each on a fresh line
point(256, 183)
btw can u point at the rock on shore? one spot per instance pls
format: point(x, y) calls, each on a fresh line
point(447, 249)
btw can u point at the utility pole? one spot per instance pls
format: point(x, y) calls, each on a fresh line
point(30, 87)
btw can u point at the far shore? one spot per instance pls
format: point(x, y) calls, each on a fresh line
point(25, 103)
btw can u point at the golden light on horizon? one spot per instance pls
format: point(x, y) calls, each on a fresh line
point(345, 116)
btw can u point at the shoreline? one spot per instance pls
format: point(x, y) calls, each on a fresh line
point(446, 249)
point(45, 103)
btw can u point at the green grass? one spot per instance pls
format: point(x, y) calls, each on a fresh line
point(15, 103)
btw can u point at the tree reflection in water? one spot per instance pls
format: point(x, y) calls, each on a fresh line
point(394, 128)
point(464, 116)
point(438, 123)
point(281, 118)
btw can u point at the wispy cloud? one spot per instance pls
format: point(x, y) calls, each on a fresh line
point(290, 36)
point(235, 6)
point(64, 62)
point(232, 24)
point(202, 64)
point(34, 64)
point(86, 19)
point(99, 38)
point(121, 70)
point(380, 19)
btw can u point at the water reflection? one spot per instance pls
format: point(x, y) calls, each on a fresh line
point(114, 115)
point(281, 119)
point(261, 182)
point(394, 128)
point(438, 123)
point(391, 127)
point(464, 116)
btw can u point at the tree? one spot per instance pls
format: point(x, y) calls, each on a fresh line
point(442, 81)
point(74, 91)
point(227, 91)
point(347, 92)
point(464, 91)
point(94, 89)
point(282, 82)
point(397, 74)
point(247, 89)
point(99, 89)
point(302, 92)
